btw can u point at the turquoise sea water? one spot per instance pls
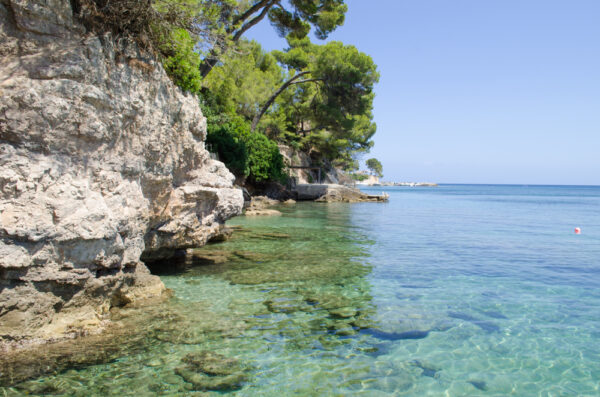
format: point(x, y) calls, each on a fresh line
point(458, 290)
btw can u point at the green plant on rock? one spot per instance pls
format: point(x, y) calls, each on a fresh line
point(229, 141)
point(247, 154)
point(181, 62)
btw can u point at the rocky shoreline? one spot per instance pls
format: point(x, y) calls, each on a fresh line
point(102, 167)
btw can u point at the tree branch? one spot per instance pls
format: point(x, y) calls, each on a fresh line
point(306, 81)
point(274, 96)
point(253, 21)
point(247, 14)
point(213, 58)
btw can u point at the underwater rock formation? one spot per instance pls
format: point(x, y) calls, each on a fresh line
point(102, 166)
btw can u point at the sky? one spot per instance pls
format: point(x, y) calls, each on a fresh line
point(480, 91)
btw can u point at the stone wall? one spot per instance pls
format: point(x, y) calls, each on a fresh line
point(102, 163)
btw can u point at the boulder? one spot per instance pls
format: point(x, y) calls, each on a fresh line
point(258, 207)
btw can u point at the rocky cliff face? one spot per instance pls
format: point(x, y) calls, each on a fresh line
point(102, 164)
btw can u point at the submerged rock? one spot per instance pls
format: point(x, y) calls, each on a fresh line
point(207, 257)
point(210, 371)
point(262, 212)
point(201, 381)
point(273, 236)
point(251, 256)
point(343, 312)
point(224, 234)
point(428, 369)
point(494, 314)
point(394, 336)
point(102, 166)
point(212, 364)
point(478, 384)
point(487, 326)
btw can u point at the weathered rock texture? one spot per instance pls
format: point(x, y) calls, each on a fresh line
point(259, 206)
point(102, 164)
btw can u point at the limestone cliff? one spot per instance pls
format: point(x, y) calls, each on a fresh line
point(102, 163)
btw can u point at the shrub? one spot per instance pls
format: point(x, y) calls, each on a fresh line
point(246, 154)
point(265, 161)
point(229, 141)
point(182, 63)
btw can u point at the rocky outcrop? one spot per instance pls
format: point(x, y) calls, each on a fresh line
point(335, 193)
point(259, 206)
point(102, 165)
point(371, 180)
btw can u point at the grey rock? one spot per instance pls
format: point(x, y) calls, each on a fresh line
point(258, 206)
point(335, 193)
point(102, 165)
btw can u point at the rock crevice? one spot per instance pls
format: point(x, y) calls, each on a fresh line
point(102, 162)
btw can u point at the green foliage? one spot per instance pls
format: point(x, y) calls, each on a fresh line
point(326, 111)
point(324, 15)
point(229, 19)
point(246, 154)
point(359, 177)
point(244, 79)
point(229, 141)
point(265, 161)
point(181, 62)
point(330, 111)
point(375, 166)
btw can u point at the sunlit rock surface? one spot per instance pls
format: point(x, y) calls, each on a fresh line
point(335, 193)
point(102, 164)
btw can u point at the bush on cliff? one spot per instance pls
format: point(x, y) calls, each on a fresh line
point(228, 141)
point(181, 62)
point(247, 154)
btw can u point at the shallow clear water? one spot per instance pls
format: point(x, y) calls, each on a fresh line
point(456, 290)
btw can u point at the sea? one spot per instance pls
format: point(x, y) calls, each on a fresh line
point(455, 290)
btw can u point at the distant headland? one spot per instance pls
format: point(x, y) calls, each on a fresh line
point(374, 181)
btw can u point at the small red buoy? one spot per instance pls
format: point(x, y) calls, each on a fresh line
point(577, 230)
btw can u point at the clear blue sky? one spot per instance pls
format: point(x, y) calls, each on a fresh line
point(480, 91)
